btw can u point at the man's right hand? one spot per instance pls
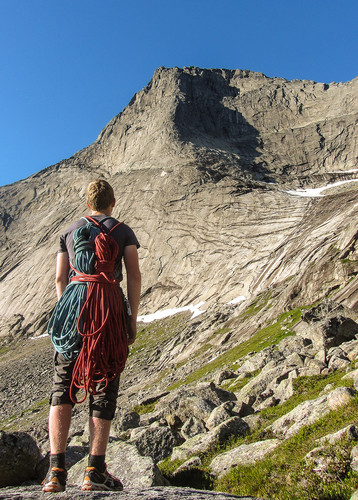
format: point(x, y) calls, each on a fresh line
point(131, 330)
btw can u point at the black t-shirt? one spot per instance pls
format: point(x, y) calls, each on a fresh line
point(122, 234)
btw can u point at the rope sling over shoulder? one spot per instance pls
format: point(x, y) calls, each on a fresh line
point(89, 320)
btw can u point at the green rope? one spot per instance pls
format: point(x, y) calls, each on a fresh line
point(62, 326)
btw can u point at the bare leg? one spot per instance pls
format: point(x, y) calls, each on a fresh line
point(59, 426)
point(99, 434)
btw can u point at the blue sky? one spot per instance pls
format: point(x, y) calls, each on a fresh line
point(69, 66)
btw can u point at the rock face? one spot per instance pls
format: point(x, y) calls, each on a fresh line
point(207, 166)
point(202, 162)
point(165, 493)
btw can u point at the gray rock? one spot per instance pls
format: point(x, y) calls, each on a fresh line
point(353, 375)
point(224, 375)
point(192, 427)
point(328, 326)
point(188, 464)
point(242, 409)
point(312, 367)
point(124, 461)
point(245, 454)
point(338, 362)
point(128, 420)
point(19, 458)
point(145, 493)
point(260, 360)
point(155, 442)
point(197, 401)
point(284, 390)
point(309, 412)
point(354, 457)
point(204, 442)
point(220, 414)
point(349, 432)
point(259, 388)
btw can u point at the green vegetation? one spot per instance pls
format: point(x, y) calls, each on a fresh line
point(38, 411)
point(285, 474)
point(265, 337)
point(144, 408)
point(4, 350)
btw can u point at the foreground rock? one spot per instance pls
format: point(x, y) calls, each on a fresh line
point(246, 454)
point(310, 411)
point(165, 493)
point(202, 443)
point(19, 458)
point(125, 462)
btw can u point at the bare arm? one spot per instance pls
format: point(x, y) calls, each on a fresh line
point(62, 270)
point(133, 287)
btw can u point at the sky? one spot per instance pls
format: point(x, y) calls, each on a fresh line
point(69, 66)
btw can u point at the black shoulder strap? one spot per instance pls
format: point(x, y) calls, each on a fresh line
point(100, 224)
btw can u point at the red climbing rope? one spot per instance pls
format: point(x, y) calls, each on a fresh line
point(101, 323)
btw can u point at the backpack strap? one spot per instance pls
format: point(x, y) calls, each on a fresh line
point(100, 224)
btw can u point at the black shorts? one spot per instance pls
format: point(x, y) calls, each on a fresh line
point(101, 405)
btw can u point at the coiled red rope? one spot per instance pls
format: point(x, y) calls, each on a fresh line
point(101, 323)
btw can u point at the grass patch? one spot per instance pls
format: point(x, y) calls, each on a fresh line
point(265, 337)
point(144, 408)
point(37, 411)
point(286, 475)
point(4, 350)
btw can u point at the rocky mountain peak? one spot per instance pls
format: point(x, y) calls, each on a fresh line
point(242, 190)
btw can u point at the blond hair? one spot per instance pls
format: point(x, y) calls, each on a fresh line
point(99, 195)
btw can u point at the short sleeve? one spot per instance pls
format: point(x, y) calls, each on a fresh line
point(62, 244)
point(131, 238)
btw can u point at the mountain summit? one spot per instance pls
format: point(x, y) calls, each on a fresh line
point(206, 164)
point(242, 190)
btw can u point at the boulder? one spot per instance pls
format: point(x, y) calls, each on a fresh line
point(350, 432)
point(204, 442)
point(310, 411)
point(192, 427)
point(125, 462)
point(260, 360)
point(255, 391)
point(242, 409)
point(197, 400)
point(353, 375)
point(312, 367)
point(294, 345)
point(155, 442)
point(354, 457)
point(19, 458)
point(284, 390)
point(327, 325)
point(224, 375)
point(245, 454)
point(128, 420)
point(220, 414)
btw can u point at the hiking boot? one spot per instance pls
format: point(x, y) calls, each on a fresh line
point(55, 480)
point(97, 481)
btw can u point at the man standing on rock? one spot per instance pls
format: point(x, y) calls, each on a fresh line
point(91, 328)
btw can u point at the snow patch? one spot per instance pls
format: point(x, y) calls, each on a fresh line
point(317, 192)
point(40, 336)
point(237, 300)
point(165, 313)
